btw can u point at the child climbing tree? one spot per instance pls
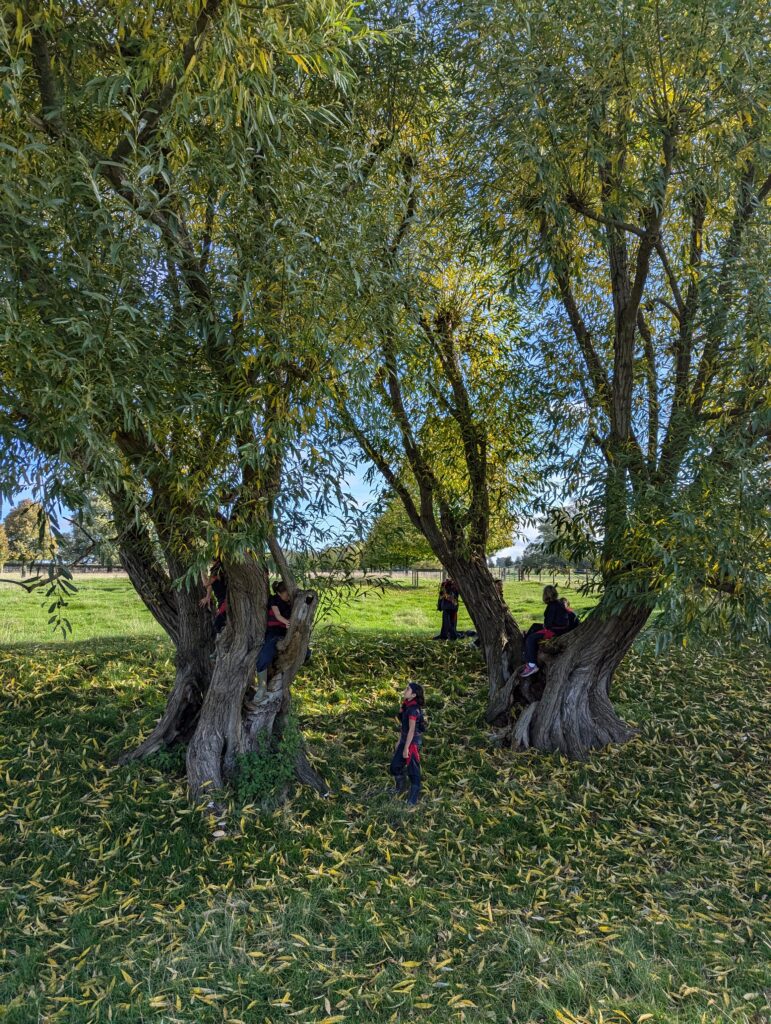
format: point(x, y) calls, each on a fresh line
point(162, 210)
point(624, 174)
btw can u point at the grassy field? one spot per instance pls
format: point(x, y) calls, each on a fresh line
point(107, 607)
point(631, 887)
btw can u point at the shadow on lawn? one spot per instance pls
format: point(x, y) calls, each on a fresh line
point(112, 646)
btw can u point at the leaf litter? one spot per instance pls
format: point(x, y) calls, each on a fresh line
point(627, 888)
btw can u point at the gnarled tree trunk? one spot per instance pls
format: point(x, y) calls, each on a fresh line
point(499, 634)
point(187, 624)
point(235, 719)
point(574, 713)
point(194, 645)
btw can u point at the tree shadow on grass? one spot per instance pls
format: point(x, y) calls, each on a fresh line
point(113, 645)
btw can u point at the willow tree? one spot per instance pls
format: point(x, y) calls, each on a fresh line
point(162, 284)
point(427, 396)
point(431, 386)
point(618, 155)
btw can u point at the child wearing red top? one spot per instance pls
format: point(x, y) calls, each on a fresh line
point(406, 759)
point(279, 612)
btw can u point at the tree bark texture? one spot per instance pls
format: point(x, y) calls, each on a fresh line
point(574, 713)
point(148, 576)
point(187, 624)
point(500, 637)
point(194, 646)
point(236, 719)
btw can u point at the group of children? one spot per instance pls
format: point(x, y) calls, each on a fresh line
point(279, 611)
point(558, 618)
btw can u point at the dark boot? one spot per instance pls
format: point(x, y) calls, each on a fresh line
point(414, 794)
point(400, 783)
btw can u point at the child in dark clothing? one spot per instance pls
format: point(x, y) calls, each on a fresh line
point(406, 759)
point(448, 606)
point(555, 622)
point(573, 619)
point(216, 596)
point(279, 612)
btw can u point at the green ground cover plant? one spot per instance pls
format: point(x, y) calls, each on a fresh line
point(526, 888)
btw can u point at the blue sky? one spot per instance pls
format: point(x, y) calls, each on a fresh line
point(363, 493)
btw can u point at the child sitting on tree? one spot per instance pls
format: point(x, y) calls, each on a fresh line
point(555, 622)
point(279, 612)
point(573, 619)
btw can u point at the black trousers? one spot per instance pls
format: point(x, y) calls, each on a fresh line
point(449, 624)
point(401, 766)
point(534, 637)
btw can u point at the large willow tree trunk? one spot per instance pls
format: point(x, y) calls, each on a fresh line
point(194, 645)
point(498, 633)
point(236, 719)
point(178, 612)
point(574, 713)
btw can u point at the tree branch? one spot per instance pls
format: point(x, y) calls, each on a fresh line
point(282, 564)
point(155, 107)
point(474, 441)
point(580, 206)
point(748, 200)
point(679, 309)
point(653, 388)
point(597, 373)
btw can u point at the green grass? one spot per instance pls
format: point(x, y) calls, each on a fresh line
point(525, 888)
point(110, 607)
point(101, 608)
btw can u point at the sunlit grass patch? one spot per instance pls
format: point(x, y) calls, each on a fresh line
point(525, 888)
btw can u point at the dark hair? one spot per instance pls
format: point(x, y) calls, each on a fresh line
point(417, 689)
point(550, 594)
point(279, 585)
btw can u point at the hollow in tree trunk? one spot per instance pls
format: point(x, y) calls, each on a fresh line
point(574, 713)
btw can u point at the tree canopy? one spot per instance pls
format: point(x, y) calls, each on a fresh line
point(624, 173)
point(27, 534)
point(521, 262)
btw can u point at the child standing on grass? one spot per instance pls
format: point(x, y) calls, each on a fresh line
point(406, 759)
point(448, 606)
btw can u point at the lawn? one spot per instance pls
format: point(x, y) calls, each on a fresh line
point(525, 888)
point(105, 607)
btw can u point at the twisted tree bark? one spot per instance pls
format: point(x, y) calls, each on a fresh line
point(499, 635)
point(236, 719)
point(574, 713)
point(188, 626)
